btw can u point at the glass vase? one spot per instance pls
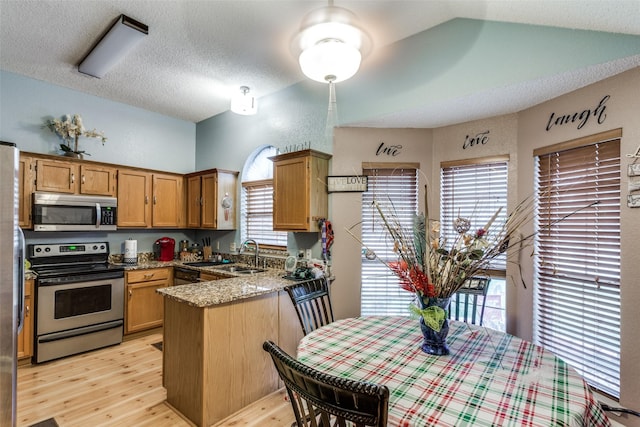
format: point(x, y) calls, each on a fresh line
point(435, 341)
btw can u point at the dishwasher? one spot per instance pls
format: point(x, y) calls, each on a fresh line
point(185, 276)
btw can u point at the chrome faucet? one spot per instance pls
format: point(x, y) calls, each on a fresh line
point(244, 245)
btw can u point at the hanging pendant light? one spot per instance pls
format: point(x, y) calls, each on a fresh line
point(330, 43)
point(330, 47)
point(244, 103)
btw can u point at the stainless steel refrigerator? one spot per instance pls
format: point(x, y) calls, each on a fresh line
point(11, 280)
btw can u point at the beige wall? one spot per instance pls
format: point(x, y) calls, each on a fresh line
point(498, 136)
point(516, 135)
point(622, 111)
point(352, 146)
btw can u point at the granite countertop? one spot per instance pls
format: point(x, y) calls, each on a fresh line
point(235, 287)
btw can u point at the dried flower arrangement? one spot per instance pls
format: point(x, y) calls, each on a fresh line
point(433, 268)
point(70, 128)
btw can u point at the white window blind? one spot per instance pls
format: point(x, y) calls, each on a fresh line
point(474, 191)
point(256, 208)
point(257, 214)
point(577, 268)
point(381, 293)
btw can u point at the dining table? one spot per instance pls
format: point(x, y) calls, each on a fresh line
point(490, 378)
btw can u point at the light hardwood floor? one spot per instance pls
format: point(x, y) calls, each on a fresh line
point(120, 386)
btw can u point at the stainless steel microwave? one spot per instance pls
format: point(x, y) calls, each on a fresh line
point(70, 212)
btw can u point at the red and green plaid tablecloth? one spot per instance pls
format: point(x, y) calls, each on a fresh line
point(490, 378)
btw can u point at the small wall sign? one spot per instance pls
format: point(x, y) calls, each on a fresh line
point(580, 117)
point(389, 150)
point(352, 183)
point(479, 139)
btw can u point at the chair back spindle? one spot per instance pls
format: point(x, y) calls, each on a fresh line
point(312, 302)
point(467, 299)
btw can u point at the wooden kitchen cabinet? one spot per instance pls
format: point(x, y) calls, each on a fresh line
point(25, 337)
point(134, 198)
point(26, 185)
point(202, 345)
point(143, 305)
point(98, 180)
point(167, 208)
point(211, 199)
point(149, 200)
point(62, 176)
point(300, 197)
point(57, 176)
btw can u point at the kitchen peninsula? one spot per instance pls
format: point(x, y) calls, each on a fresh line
point(213, 363)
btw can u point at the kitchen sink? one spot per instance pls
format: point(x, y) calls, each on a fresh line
point(242, 270)
point(208, 263)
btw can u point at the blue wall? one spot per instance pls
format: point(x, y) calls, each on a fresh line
point(136, 137)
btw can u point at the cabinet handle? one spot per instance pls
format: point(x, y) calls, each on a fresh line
point(155, 200)
point(26, 311)
point(82, 179)
point(149, 276)
point(146, 200)
point(201, 201)
point(130, 293)
point(73, 178)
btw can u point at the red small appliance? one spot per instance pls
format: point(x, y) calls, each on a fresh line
point(164, 249)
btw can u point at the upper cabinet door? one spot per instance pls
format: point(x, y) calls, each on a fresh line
point(57, 176)
point(134, 198)
point(209, 197)
point(194, 201)
point(167, 200)
point(290, 194)
point(97, 180)
point(300, 196)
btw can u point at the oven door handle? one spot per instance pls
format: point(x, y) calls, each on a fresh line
point(98, 215)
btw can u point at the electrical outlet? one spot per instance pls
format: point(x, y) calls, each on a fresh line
point(633, 200)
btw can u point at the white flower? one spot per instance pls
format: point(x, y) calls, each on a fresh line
point(70, 129)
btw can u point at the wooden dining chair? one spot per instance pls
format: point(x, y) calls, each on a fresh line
point(312, 302)
point(467, 298)
point(324, 400)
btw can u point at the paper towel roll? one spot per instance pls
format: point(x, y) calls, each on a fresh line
point(131, 251)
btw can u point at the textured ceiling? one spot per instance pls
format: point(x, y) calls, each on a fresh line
point(199, 52)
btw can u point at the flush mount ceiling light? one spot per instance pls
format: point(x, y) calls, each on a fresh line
point(122, 37)
point(330, 44)
point(244, 103)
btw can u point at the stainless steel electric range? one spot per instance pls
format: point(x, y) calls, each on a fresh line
point(79, 299)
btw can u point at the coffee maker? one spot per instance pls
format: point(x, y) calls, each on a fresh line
point(164, 249)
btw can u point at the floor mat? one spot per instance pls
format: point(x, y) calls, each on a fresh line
point(158, 345)
point(46, 423)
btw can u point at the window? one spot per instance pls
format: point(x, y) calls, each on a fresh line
point(577, 265)
point(381, 293)
point(476, 190)
point(257, 200)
